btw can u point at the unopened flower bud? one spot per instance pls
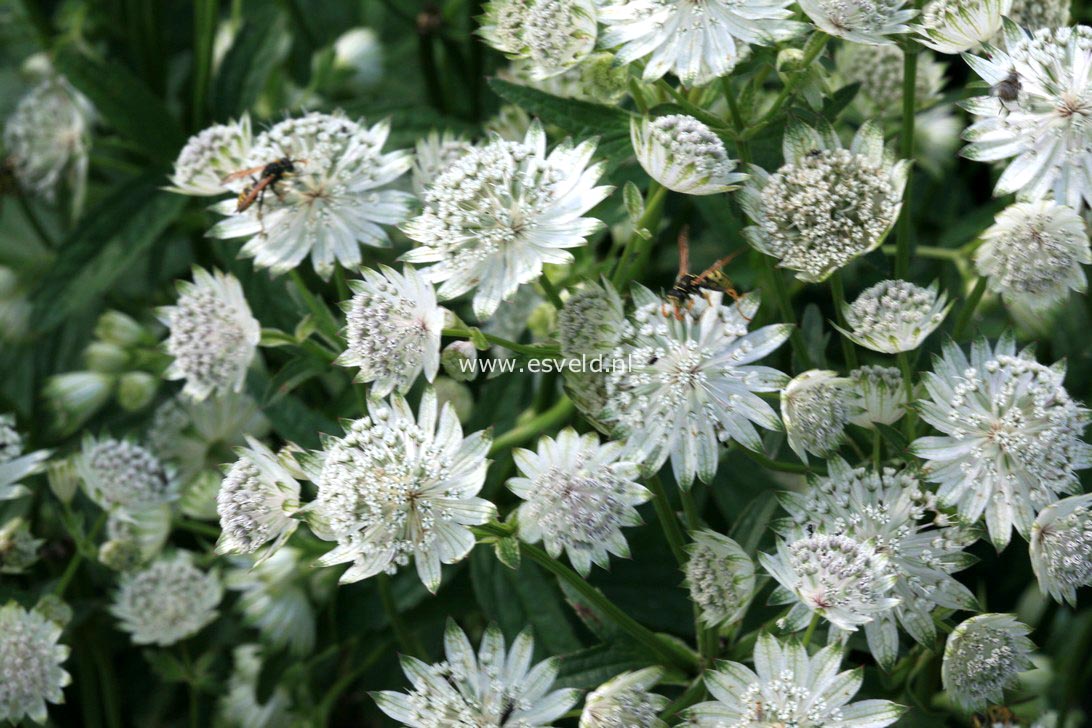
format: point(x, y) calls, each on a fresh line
point(460, 361)
point(456, 394)
point(121, 329)
point(136, 390)
point(104, 357)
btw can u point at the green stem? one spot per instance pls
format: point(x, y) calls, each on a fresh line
point(967, 312)
point(779, 465)
point(812, 49)
point(548, 420)
point(77, 557)
point(551, 292)
point(531, 350)
point(201, 529)
point(781, 294)
point(910, 423)
point(692, 695)
point(407, 640)
point(811, 629)
point(904, 230)
point(637, 247)
point(929, 251)
point(837, 288)
point(205, 14)
point(33, 221)
point(877, 449)
point(668, 520)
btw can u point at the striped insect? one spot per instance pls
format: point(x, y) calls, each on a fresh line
point(687, 284)
point(264, 178)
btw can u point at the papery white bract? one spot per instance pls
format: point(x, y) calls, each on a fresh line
point(954, 26)
point(1061, 547)
point(720, 576)
point(551, 35)
point(697, 40)
point(591, 322)
point(393, 327)
point(877, 396)
point(625, 701)
point(1035, 14)
point(1044, 128)
point(432, 155)
point(240, 705)
point(815, 407)
point(258, 498)
point(213, 336)
point(210, 156)
point(119, 474)
point(14, 465)
point(398, 486)
point(895, 316)
point(789, 688)
point(684, 155)
point(493, 688)
point(166, 602)
point(30, 664)
point(336, 199)
point(577, 496)
point(273, 599)
point(871, 22)
point(982, 656)
point(826, 205)
point(1012, 435)
point(690, 384)
point(494, 216)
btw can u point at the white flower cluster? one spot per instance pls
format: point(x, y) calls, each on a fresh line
point(684, 155)
point(625, 701)
point(552, 35)
point(870, 22)
point(879, 70)
point(210, 156)
point(30, 664)
point(895, 316)
point(878, 396)
point(982, 656)
point(1035, 14)
point(257, 500)
point(816, 407)
point(1061, 547)
point(14, 465)
point(168, 601)
point(118, 474)
point(720, 576)
point(954, 26)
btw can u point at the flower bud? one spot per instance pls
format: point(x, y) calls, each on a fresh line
point(18, 547)
point(136, 390)
point(102, 356)
point(120, 555)
point(63, 479)
point(76, 396)
point(457, 394)
point(359, 54)
point(460, 361)
point(121, 329)
point(55, 609)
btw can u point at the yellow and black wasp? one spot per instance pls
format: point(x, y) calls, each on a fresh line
point(688, 284)
point(264, 178)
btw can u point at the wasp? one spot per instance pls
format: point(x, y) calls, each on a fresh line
point(1008, 88)
point(264, 178)
point(996, 715)
point(688, 284)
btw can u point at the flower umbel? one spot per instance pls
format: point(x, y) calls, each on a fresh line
point(877, 396)
point(166, 602)
point(982, 657)
point(684, 155)
point(624, 701)
point(552, 35)
point(30, 664)
point(210, 156)
point(118, 474)
point(258, 498)
point(493, 688)
point(720, 576)
point(815, 406)
point(895, 316)
point(871, 22)
point(398, 486)
point(954, 26)
point(1061, 547)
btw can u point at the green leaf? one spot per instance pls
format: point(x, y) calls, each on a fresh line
point(247, 65)
point(125, 103)
point(273, 669)
point(168, 667)
point(98, 252)
point(592, 667)
point(894, 438)
point(507, 550)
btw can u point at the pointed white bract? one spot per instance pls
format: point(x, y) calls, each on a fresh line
point(1012, 435)
point(30, 664)
point(871, 22)
point(877, 396)
point(892, 510)
point(879, 70)
point(1061, 547)
point(210, 156)
point(497, 214)
point(720, 576)
point(121, 475)
point(591, 322)
point(848, 582)
point(625, 701)
point(1038, 113)
point(14, 465)
point(552, 36)
point(577, 496)
point(1034, 254)
point(697, 40)
point(258, 499)
point(273, 599)
point(954, 26)
point(815, 407)
point(983, 656)
point(166, 602)
point(684, 155)
point(895, 316)
point(1036, 14)
point(213, 336)
point(397, 487)
point(689, 384)
point(432, 155)
point(495, 687)
point(789, 688)
point(336, 199)
point(393, 327)
point(240, 705)
point(826, 205)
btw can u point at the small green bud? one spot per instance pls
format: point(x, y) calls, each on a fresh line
point(457, 394)
point(121, 329)
point(136, 390)
point(460, 361)
point(102, 356)
point(55, 609)
point(120, 554)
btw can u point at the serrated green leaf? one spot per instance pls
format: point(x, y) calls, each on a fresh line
point(593, 666)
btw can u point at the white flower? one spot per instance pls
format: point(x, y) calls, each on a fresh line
point(826, 205)
point(258, 498)
point(860, 21)
point(577, 496)
point(697, 40)
point(73, 397)
point(213, 336)
point(135, 536)
point(954, 26)
point(684, 155)
point(789, 688)
point(895, 316)
point(166, 602)
point(210, 156)
point(591, 322)
point(597, 79)
point(878, 396)
point(690, 384)
point(720, 576)
point(552, 35)
point(334, 201)
point(1035, 14)
point(879, 70)
point(30, 664)
point(359, 52)
point(14, 465)
point(396, 487)
point(892, 510)
point(1033, 254)
point(815, 406)
point(274, 601)
point(1038, 113)
point(625, 701)
point(849, 582)
point(432, 155)
point(18, 547)
point(1012, 435)
point(492, 688)
point(1061, 547)
point(393, 328)
point(496, 214)
point(240, 706)
point(48, 138)
point(118, 474)
point(982, 657)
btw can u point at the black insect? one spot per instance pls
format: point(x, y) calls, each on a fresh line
point(264, 178)
point(1008, 88)
point(688, 284)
